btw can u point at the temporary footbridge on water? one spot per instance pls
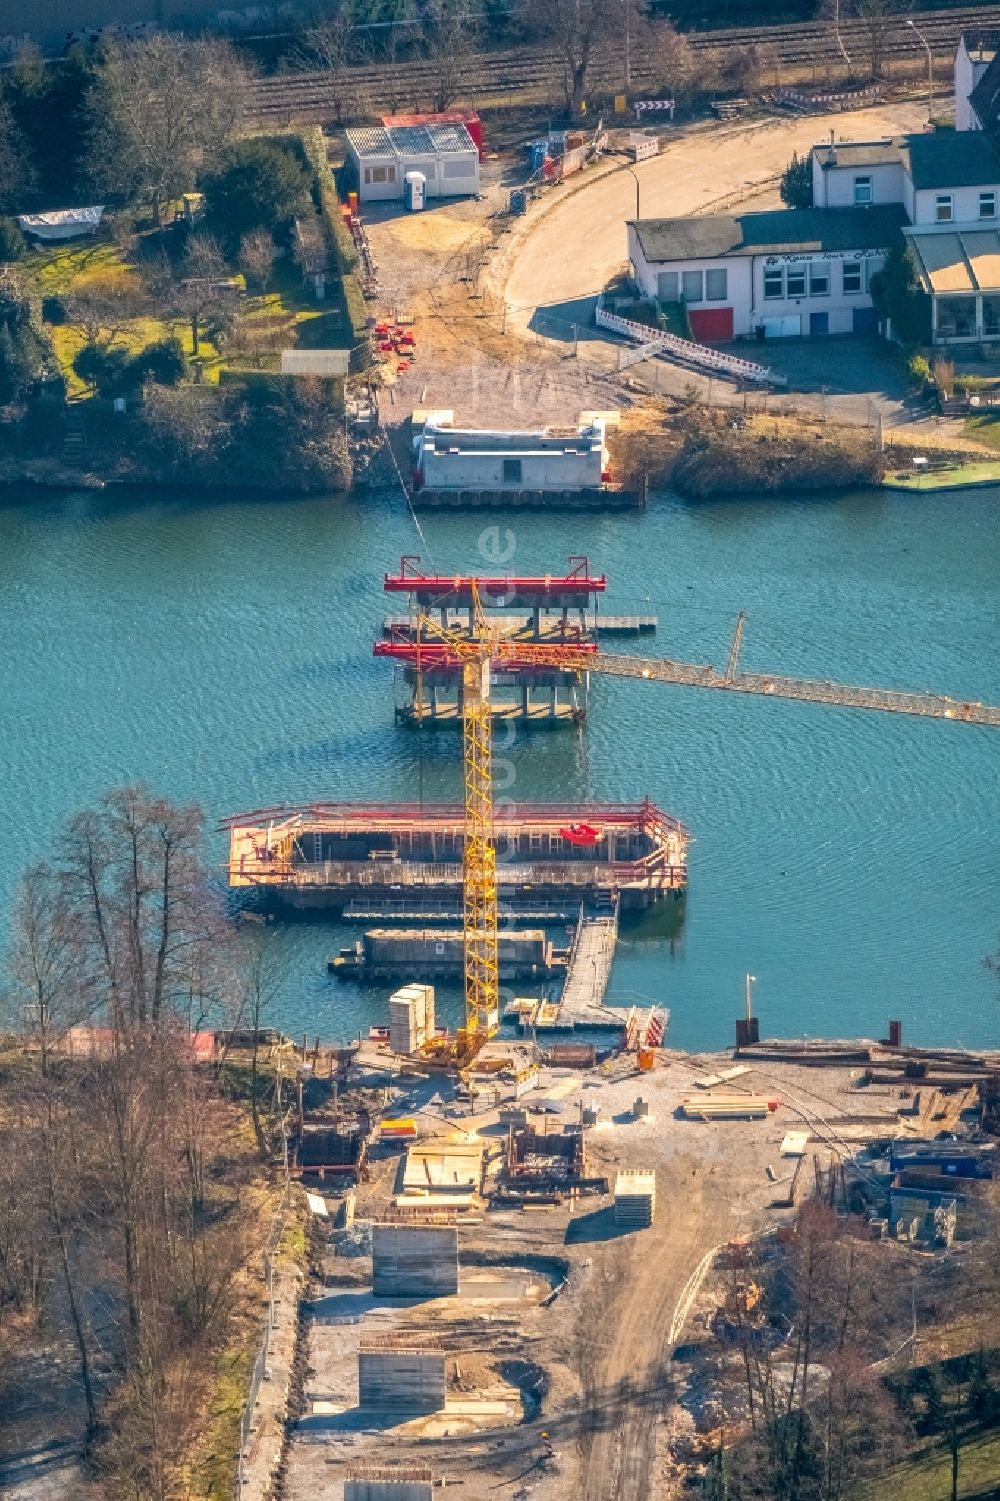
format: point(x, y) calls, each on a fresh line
point(485, 648)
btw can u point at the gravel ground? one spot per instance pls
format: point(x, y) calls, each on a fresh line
point(604, 1344)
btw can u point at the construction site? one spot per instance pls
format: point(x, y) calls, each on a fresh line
point(537, 1262)
point(512, 1301)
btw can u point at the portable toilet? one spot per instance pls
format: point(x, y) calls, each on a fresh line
point(414, 190)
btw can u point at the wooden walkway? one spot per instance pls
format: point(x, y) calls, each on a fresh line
point(588, 973)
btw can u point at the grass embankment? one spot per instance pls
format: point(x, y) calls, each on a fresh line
point(762, 455)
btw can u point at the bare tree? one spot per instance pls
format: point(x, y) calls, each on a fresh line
point(145, 927)
point(876, 17)
point(42, 963)
point(332, 46)
point(60, 1178)
point(577, 27)
point(260, 974)
point(831, 11)
point(121, 1165)
point(104, 312)
point(257, 256)
point(200, 296)
point(671, 57)
point(183, 425)
point(159, 110)
point(449, 33)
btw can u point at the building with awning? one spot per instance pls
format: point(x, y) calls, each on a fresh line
point(959, 268)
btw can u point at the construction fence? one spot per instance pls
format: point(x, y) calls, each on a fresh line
point(264, 1347)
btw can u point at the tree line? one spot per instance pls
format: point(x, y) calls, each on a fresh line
point(129, 1174)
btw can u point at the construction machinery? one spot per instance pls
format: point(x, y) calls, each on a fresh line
point(484, 649)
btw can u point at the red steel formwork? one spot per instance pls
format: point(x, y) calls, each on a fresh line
point(644, 815)
point(429, 655)
point(500, 591)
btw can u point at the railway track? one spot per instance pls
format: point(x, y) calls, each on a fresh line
point(524, 72)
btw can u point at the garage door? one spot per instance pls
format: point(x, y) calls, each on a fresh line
point(865, 320)
point(789, 326)
point(711, 325)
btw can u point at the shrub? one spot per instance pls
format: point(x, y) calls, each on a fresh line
point(53, 310)
point(108, 371)
point(12, 242)
point(162, 362)
point(259, 184)
point(944, 374)
point(920, 370)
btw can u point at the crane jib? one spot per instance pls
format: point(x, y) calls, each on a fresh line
point(809, 690)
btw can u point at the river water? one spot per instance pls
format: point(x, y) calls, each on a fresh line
point(221, 650)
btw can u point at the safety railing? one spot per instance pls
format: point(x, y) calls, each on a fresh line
point(715, 361)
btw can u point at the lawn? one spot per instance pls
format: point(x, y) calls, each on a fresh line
point(973, 473)
point(927, 1475)
point(985, 428)
point(287, 315)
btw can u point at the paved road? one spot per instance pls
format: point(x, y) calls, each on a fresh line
point(569, 251)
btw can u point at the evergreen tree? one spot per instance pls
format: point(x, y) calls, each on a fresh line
point(17, 368)
point(796, 182)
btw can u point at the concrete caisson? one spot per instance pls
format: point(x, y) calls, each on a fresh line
point(418, 1261)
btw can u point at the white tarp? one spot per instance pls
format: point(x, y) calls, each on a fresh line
point(315, 361)
point(62, 224)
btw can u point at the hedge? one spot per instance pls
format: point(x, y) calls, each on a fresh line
point(275, 380)
point(342, 245)
point(312, 144)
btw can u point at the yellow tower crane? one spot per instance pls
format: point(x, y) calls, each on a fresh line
point(476, 654)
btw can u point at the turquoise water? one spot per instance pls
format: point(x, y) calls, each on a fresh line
point(222, 652)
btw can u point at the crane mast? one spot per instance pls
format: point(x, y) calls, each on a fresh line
point(479, 861)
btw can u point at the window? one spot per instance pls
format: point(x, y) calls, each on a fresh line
point(796, 281)
point(379, 174)
point(774, 281)
point(716, 286)
point(943, 208)
point(987, 205)
point(862, 190)
point(390, 174)
point(512, 471)
point(691, 286)
point(667, 286)
point(819, 281)
point(852, 278)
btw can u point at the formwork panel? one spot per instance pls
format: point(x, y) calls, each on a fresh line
point(382, 1486)
point(402, 1378)
point(419, 1261)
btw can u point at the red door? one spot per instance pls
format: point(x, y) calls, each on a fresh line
point(711, 325)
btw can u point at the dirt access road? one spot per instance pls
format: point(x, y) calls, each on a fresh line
point(568, 249)
point(626, 1381)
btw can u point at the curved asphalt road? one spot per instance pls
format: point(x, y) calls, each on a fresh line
point(566, 250)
